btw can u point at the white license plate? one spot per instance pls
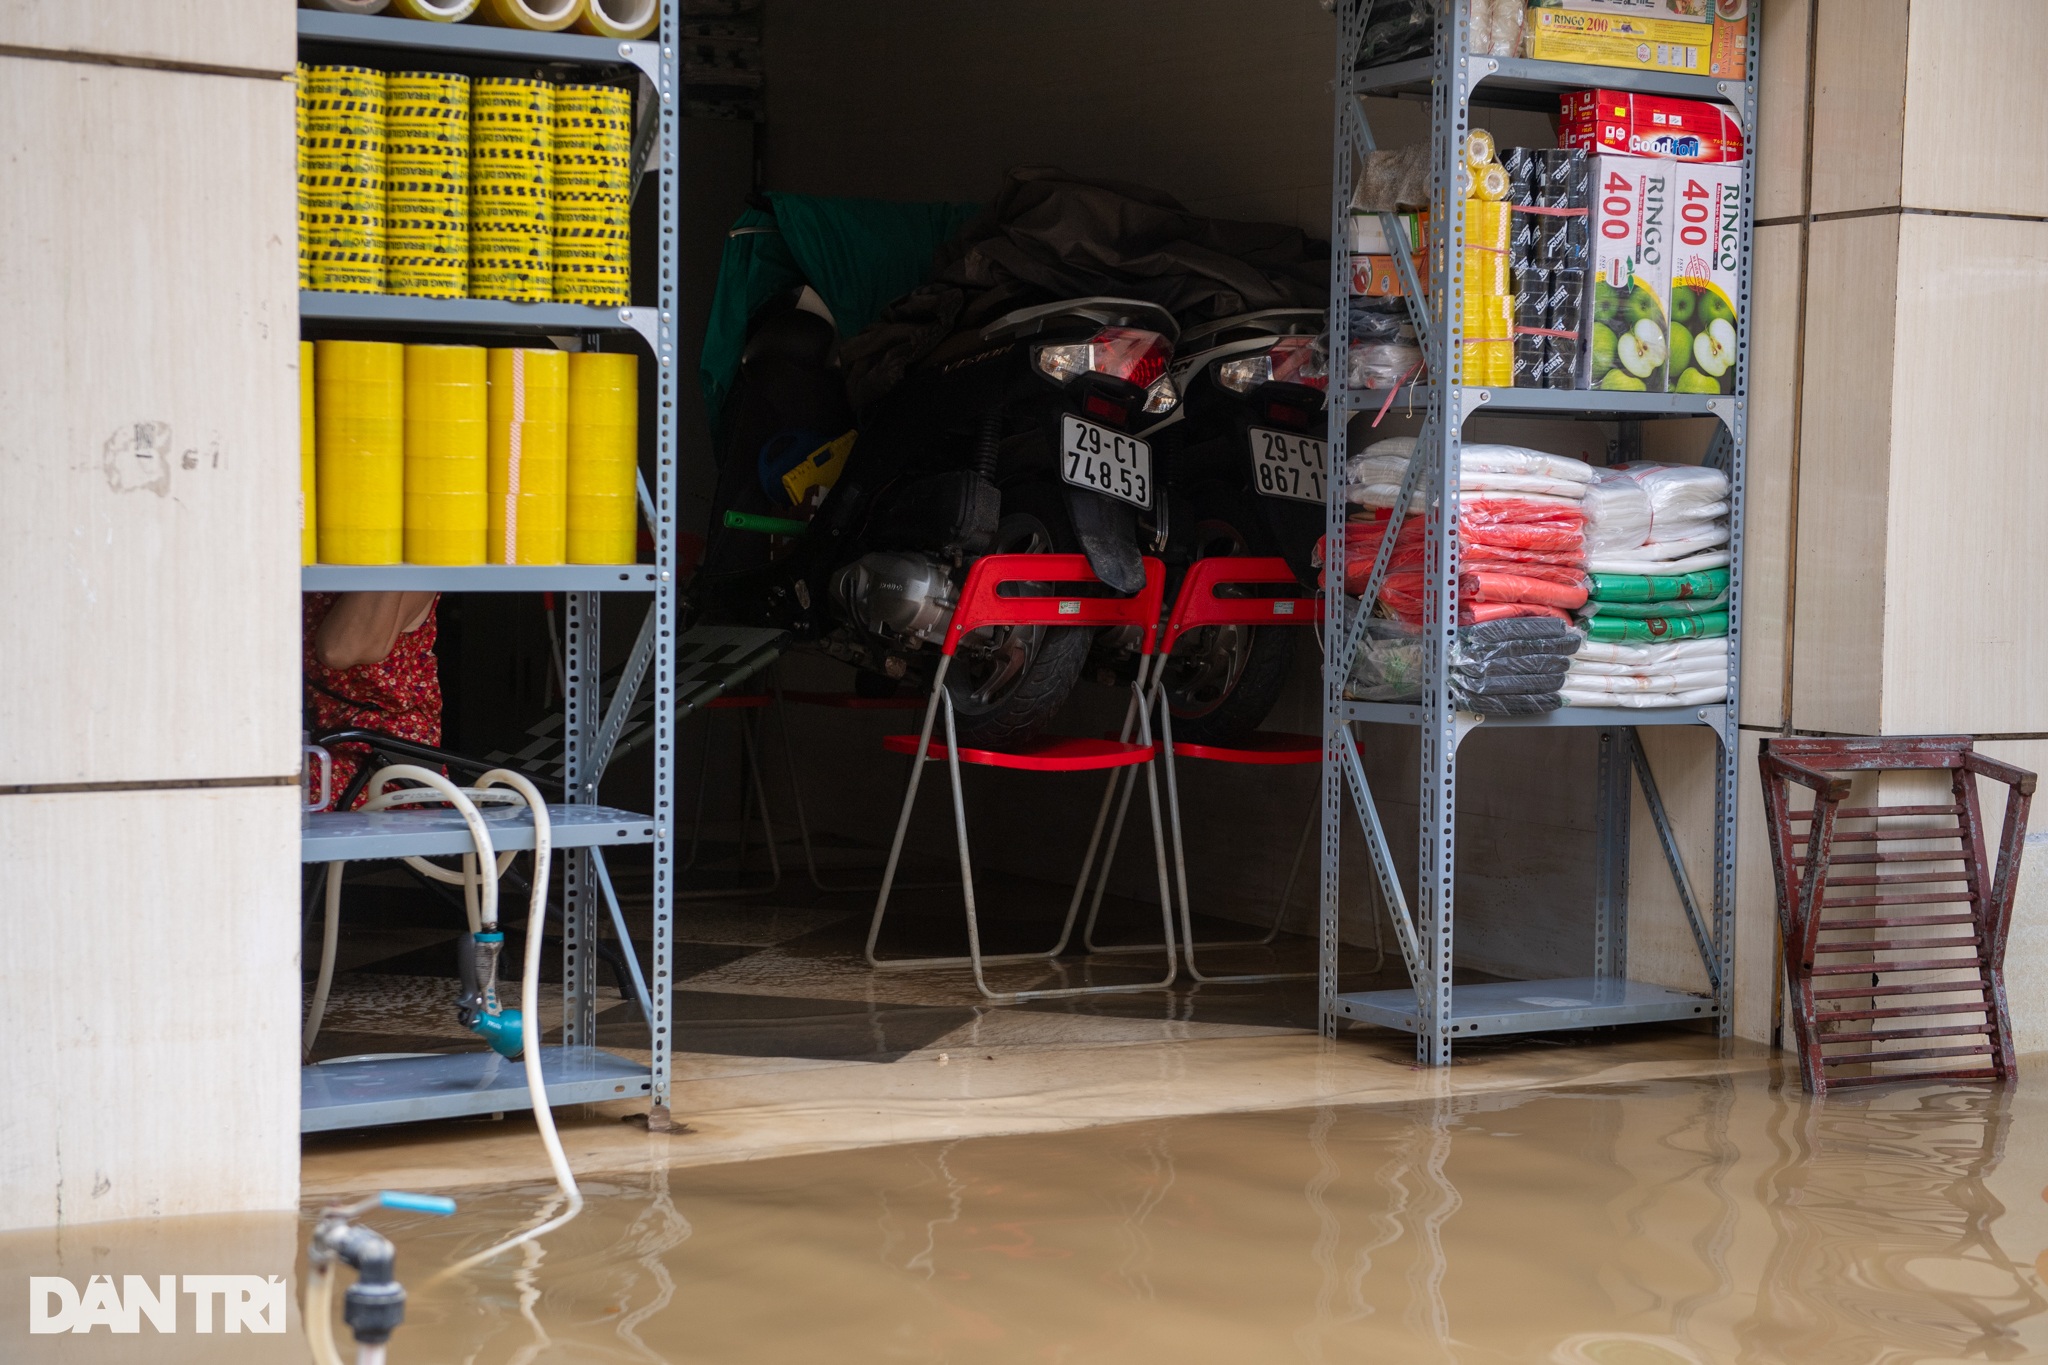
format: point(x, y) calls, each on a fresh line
point(1106, 461)
point(1288, 465)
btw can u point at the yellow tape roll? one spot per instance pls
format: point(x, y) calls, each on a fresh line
point(302, 97)
point(1480, 149)
point(359, 455)
point(538, 16)
point(511, 169)
point(436, 11)
point(529, 456)
point(592, 195)
point(309, 529)
point(342, 179)
point(629, 19)
point(447, 408)
point(604, 456)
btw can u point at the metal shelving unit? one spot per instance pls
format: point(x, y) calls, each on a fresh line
point(352, 1093)
point(1456, 82)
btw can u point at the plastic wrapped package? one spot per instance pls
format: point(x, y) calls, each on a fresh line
point(1626, 684)
point(1629, 629)
point(1678, 492)
point(1627, 657)
point(1644, 701)
point(1649, 611)
point(1372, 320)
point(1617, 513)
point(1383, 364)
point(1390, 181)
point(1641, 563)
point(1509, 666)
point(1661, 549)
point(1611, 587)
point(1482, 468)
point(1398, 29)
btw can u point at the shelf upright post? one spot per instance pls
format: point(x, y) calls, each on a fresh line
point(579, 788)
point(669, 158)
point(1337, 622)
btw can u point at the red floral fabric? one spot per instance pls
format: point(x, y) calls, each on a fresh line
point(399, 695)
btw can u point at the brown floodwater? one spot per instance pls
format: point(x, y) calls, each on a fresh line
point(1698, 1220)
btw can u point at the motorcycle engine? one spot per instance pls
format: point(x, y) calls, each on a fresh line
point(906, 597)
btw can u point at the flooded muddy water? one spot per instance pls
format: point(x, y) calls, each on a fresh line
point(1711, 1220)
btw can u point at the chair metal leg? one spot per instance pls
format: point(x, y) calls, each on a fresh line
point(749, 745)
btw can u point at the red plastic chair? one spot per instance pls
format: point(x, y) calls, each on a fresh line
point(1211, 595)
point(983, 604)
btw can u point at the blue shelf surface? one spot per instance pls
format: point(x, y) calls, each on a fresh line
point(479, 578)
point(1533, 1006)
point(428, 832)
point(475, 39)
point(369, 1092)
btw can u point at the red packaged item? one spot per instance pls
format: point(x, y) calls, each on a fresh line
point(1619, 123)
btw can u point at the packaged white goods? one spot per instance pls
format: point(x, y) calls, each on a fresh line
point(1644, 560)
point(1706, 262)
point(1630, 243)
point(1617, 513)
point(1678, 492)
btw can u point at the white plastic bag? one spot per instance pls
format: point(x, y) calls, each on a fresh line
point(1617, 513)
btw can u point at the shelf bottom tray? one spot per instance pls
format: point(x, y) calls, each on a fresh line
point(370, 1092)
point(1532, 1006)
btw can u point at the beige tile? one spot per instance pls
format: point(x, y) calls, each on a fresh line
point(1969, 490)
point(149, 519)
point(1845, 464)
point(258, 35)
point(1781, 109)
point(1767, 499)
point(150, 985)
point(1975, 101)
point(1859, 92)
point(1661, 947)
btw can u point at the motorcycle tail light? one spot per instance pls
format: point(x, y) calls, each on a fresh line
point(1123, 352)
point(1290, 360)
point(1161, 396)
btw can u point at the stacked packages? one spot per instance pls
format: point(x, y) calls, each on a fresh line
point(341, 179)
point(1549, 197)
point(426, 196)
point(1514, 666)
point(1489, 309)
point(1656, 614)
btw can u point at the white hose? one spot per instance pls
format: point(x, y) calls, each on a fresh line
point(529, 1027)
point(318, 1311)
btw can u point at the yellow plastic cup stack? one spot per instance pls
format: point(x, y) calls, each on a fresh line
point(447, 411)
point(341, 168)
point(529, 456)
point(511, 168)
point(359, 459)
point(427, 199)
point(593, 194)
point(604, 414)
point(309, 528)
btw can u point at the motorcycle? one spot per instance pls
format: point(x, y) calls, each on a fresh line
point(1015, 438)
point(1244, 457)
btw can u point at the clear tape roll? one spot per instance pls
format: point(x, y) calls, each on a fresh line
point(529, 456)
point(309, 530)
point(537, 16)
point(447, 454)
point(627, 19)
point(359, 451)
point(604, 415)
point(1480, 149)
point(435, 11)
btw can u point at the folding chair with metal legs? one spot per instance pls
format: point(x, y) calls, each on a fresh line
point(1213, 594)
point(750, 745)
point(982, 606)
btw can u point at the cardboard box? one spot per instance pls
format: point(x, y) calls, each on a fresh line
point(1368, 233)
point(1616, 121)
point(1706, 286)
point(1678, 11)
point(1376, 276)
point(1630, 279)
point(1612, 40)
point(1730, 61)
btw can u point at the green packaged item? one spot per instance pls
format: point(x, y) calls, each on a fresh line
point(1643, 611)
point(1656, 629)
point(1628, 587)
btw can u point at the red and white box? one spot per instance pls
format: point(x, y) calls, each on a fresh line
point(1616, 122)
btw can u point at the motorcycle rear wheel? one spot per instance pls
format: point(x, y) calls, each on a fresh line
point(1223, 681)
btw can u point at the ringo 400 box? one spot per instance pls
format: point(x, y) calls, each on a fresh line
point(1629, 275)
point(1706, 259)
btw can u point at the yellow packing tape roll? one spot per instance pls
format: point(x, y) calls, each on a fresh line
point(1492, 184)
point(1479, 149)
point(359, 451)
point(604, 456)
point(437, 11)
point(538, 16)
point(342, 179)
point(309, 530)
point(627, 19)
point(511, 221)
point(592, 194)
point(447, 446)
point(529, 456)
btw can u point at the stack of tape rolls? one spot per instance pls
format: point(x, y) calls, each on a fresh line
point(627, 19)
point(593, 194)
point(359, 453)
point(436, 11)
point(447, 411)
point(511, 170)
point(538, 16)
point(342, 169)
point(309, 530)
point(529, 456)
point(427, 194)
point(604, 412)
point(302, 91)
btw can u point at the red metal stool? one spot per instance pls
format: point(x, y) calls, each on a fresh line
point(1907, 965)
point(1213, 594)
point(834, 701)
point(983, 604)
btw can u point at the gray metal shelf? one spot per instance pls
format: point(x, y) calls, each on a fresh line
point(357, 836)
point(1456, 82)
point(479, 578)
point(321, 28)
point(1533, 1006)
point(413, 313)
point(394, 1090)
point(369, 1092)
